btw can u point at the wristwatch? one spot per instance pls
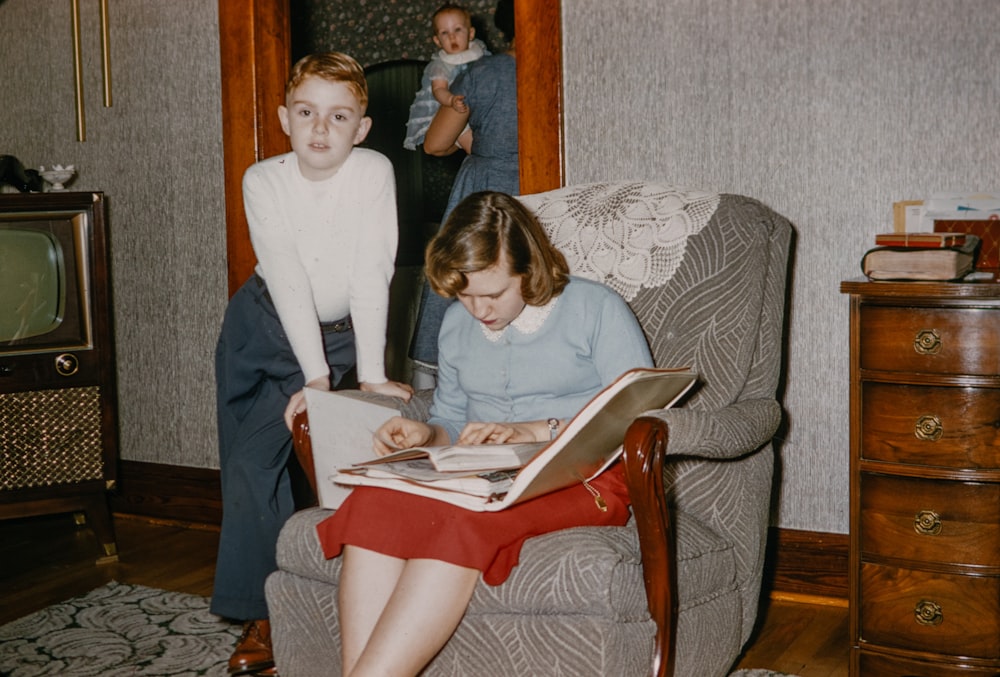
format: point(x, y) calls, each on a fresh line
point(553, 427)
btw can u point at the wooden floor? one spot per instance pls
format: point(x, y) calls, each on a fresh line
point(44, 560)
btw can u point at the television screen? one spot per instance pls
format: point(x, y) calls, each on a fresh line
point(32, 284)
point(45, 275)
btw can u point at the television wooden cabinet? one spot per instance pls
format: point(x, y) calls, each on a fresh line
point(58, 421)
point(925, 479)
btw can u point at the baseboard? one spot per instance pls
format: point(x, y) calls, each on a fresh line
point(799, 563)
point(168, 492)
point(806, 563)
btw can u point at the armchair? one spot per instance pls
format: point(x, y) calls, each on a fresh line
point(676, 590)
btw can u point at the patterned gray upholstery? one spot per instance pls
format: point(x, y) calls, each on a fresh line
point(575, 605)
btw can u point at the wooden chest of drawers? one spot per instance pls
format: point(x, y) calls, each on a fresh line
point(925, 479)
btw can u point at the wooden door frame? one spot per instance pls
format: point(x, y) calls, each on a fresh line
point(255, 56)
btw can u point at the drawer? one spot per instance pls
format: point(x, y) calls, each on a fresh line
point(952, 427)
point(930, 611)
point(930, 520)
point(879, 665)
point(930, 340)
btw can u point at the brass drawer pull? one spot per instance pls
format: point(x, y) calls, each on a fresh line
point(928, 428)
point(927, 342)
point(927, 523)
point(928, 613)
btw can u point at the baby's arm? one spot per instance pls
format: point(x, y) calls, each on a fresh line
point(443, 95)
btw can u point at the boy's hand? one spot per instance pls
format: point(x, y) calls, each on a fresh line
point(297, 402)
point(390, 388)
point(458, 103)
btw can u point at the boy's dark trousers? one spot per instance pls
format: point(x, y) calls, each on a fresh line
point(256, 374)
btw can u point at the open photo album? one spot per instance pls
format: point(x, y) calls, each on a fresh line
point(481, 477)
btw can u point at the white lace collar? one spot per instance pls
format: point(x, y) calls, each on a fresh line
point(529, 321)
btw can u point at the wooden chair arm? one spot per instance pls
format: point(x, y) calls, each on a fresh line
point(302, 444)
point(644, 449)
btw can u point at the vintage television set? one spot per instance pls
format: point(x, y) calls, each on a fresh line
point(58, 423)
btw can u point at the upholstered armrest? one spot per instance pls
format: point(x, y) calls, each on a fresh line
point(727, 433)
point(418, 408)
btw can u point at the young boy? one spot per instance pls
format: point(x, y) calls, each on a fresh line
point(323, 227)
point(455, 38)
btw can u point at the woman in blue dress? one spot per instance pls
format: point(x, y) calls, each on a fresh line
point(490, 90)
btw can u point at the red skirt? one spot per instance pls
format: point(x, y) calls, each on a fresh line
point(408, 526)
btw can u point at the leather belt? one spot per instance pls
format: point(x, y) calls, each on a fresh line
point(336, 327)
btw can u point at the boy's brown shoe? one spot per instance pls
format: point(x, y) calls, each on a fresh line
point(253, 651)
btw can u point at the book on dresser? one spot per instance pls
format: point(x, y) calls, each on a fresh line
point(936, 258)
point(487, 478)
point(920, 240)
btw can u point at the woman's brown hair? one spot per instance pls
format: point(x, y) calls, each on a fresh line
point(482, 226)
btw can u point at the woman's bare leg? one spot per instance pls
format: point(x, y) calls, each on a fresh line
point(420, 616)
point(367, 581)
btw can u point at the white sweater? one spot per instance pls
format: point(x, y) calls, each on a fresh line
point(326, 249)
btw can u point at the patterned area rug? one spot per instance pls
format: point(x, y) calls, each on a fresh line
point(119, 630)
point(123, 630)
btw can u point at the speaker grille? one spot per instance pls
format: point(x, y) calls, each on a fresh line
point(50, 437)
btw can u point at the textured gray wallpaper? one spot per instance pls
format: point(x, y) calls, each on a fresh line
point(827, 111)
point(157, 155)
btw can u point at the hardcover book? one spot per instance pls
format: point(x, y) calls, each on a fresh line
point(920, 240)
point(493, 477)
point(920, 263)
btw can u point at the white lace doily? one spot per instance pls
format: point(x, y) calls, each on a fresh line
point(628, 235)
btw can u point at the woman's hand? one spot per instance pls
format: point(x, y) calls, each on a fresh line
point(390, 388)
point(402, 433)
point(297, 402)
point(504, 433)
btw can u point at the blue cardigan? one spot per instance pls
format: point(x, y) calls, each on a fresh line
point(589, 338)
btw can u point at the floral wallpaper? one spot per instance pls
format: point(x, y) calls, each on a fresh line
point(374, 31)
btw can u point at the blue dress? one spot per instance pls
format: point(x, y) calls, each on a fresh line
point(490, 89)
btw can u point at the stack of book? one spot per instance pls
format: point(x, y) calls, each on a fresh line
point(921, 256)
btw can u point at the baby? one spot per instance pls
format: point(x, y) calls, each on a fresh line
point(454, 34)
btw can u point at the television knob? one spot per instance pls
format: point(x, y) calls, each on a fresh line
point(67, 364)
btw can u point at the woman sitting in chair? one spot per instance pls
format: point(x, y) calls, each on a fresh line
point(526, 347)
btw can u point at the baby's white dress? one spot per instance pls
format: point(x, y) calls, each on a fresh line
point(441, 66)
